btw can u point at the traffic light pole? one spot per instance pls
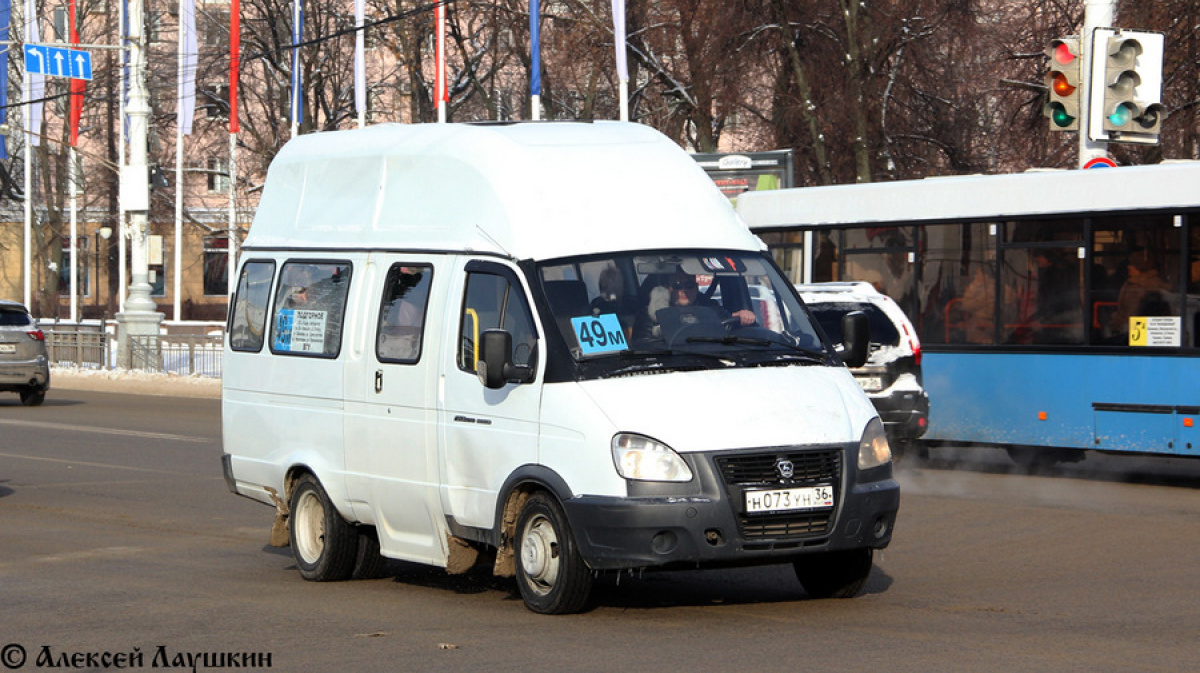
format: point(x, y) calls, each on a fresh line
point(1097, 14)
point(139, 317)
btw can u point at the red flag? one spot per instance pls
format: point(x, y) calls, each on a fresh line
point(235, 61)
point(77, 85)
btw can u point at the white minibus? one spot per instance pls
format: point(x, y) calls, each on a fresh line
point(534, 345)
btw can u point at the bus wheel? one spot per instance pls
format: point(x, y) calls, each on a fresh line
point(837, 574)
point(551, 575)
point(324, 545)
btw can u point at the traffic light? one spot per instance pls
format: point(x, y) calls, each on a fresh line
point(1132, 111)
point(1062, 80)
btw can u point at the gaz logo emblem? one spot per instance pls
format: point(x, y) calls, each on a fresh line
point(785, 468)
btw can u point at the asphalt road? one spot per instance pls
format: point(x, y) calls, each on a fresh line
point(118, 539)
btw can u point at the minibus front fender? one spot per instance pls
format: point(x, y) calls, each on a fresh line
point(522, 483)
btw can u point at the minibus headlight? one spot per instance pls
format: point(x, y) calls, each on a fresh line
point(643, 459)
point(873, 450)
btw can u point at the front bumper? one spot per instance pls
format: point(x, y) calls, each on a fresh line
point(704, 522)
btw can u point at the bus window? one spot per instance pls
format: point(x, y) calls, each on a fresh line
point(958, 285)
point(885, 258)
point(1042, 269)
point(787, 248)
point(1134, 273)
point(1193, 289)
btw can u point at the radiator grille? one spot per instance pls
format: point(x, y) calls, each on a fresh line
point(741, 472)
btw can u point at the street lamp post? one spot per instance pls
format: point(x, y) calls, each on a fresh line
point(139, 318)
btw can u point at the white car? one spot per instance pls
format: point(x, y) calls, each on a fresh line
point(891, 378)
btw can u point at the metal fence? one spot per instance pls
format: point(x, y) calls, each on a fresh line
point(184, 354)
point(93, 347)
point(86, 349)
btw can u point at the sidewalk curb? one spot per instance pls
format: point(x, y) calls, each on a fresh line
point(134, 383)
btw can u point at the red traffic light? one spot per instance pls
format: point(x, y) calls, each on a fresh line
point(1062, 53)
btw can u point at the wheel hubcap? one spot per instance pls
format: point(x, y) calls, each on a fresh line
point(539, 554)
point(310, 528)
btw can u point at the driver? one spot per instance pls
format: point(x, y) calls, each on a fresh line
point(681, 289)
point(685, 291)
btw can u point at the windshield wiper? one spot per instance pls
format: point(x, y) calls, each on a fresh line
point(795, 352)
point(654, 360)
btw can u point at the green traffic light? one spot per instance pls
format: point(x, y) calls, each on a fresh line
point(1060, 117)
point(1120, 115)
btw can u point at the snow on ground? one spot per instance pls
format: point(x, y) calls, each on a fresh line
point(135, 382)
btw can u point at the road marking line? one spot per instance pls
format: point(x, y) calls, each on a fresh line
point(105, 431)
point(84, 463)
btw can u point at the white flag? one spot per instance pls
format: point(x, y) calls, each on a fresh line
point(618, 9)
point(186, 109)
point(37, 81)
point(360, 78)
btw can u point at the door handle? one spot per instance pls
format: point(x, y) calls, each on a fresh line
point(378, 380)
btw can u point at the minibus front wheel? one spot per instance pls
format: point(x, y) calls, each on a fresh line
point(551, 574)
point(324, 545)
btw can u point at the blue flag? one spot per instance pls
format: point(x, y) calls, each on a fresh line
point(297, 31)
point(535, 38)
point(5, 19)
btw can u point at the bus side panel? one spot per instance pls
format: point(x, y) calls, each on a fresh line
point(1109, 402)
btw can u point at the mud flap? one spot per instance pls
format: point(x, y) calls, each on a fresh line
point(279, 529)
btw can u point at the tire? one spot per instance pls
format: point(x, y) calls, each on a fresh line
point(369, 564)
point(31, 397)
point(838, 574)
point(324, 545)
point(551, 574)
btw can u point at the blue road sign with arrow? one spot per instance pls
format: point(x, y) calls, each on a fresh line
point(58, 61)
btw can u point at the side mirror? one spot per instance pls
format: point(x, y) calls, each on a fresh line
point(856, 339)
point(495, 368)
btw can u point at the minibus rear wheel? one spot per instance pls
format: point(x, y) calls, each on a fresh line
point(551, 574)
point(324, 545)
point(837, 574)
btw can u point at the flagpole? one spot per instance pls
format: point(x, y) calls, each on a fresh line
point(231, 241)
point(26, 87)
point(28, 279)
point(73, 191)
point(122, 254)
point(73, 175)
point(360, 79)
point(179, 103)
point(618, 10)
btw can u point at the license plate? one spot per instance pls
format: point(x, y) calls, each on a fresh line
point(788, 499)
point(870, 383)
point(8, 348)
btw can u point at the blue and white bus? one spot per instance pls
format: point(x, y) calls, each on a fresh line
point(1058, 309)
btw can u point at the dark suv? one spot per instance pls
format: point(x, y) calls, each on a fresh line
point(24, 367)
point(892, 375)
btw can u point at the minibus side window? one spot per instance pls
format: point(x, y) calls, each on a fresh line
point(248, 319)
point(402, 313)
point(493, 302)
point(310, 305)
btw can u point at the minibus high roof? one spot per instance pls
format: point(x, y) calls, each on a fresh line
point(533, 190)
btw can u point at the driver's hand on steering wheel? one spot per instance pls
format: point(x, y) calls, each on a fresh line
point(745, 317)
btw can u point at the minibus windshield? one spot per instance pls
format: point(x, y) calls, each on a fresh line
point(731, 307)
